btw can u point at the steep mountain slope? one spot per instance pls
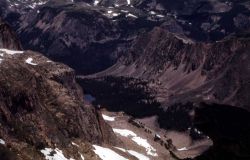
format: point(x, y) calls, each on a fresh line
point(181, 71)
point(78, 34)
point(42, 107)
point(43, 114)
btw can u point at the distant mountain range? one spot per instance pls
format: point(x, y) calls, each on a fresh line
point(185, 62)
point(91, 35)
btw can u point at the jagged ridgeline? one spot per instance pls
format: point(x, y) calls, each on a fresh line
point(90, 36)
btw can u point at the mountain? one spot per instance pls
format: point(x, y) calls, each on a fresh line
point(171, 74)
point(181, 71)
point(186, 85)
point(196, 88)
point(90, 36)
point(79, 47)
point(42, 107)
point(45, 115)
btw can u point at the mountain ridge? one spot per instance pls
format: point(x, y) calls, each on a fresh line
point(41, 106)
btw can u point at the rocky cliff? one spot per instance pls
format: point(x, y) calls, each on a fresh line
point(41, 106)
point(5, 34)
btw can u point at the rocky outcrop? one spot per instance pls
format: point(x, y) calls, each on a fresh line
point(48, 90)
point(8, 38)
point(41, 106)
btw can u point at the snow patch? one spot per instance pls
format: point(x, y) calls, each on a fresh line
point(11, 52)
point(124, 132)
point(81, 156)
point(29, 61)
point(2, 141)
point(34, 5)
point(108, 118)
point(115, 14)
point(131, 15)
point(124, 11)
point(74, 144)
point(144, 143)
point(107, 154)
point(152, 12)
point(197, 131)
point(111, 14)
point(121, 149)
point(158, 136)
point(139, 156)
point(140, 141)
point(54, 154)
point(160, 16)
point(183, 149)
point(96, 2)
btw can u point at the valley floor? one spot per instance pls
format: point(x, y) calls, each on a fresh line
point(144, 140)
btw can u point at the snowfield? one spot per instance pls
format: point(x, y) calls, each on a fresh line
point(138, 140)
point(107, 154)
